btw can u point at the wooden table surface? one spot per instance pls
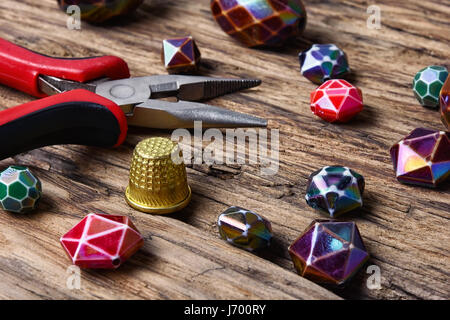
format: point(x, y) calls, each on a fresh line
point(405, 228)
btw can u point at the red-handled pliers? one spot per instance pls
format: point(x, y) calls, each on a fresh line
point(91, 101)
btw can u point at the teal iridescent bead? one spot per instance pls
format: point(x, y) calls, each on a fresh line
point(427, 85)
point(244, 228)
point(20, 190)
point(335, 190)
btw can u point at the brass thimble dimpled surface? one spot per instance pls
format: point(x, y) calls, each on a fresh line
point(157, 184)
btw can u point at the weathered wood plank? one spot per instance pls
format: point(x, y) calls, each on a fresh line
point(405, 228)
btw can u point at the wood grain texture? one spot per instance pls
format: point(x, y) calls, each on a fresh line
point(405, 228)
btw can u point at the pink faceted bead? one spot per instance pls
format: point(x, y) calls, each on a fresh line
point(102, 241)
point(336, 101)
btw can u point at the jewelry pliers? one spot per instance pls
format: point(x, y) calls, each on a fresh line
point(91, 101)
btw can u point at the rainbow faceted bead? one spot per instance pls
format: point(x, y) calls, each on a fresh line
point(329, 252)
point(336, 101)
point(180, 55)
point(445, 104)
point(98, 11)
point(323, 62)
point(20, 190)
point(427, 85)
point(102, 241)
point(422, 158)
point(335, 190)
point(244, 229)
point(260, 22)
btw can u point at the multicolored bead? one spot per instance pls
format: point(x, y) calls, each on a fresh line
point(20, 190)
point(245, 229)
point(428, 83)
point(323, 62)
point(98, 11)
point(422, 157)
point(335, 190)
point(336, 101)
point(260, 22)
point(180, 55)
point(329, 252)
point(445, 104)
point(102, 241)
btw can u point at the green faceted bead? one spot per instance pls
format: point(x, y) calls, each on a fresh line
point(427, 85)
point(20, 191)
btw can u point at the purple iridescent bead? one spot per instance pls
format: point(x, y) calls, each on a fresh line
point(422, 157)
point(329, 252)
point(323, 62)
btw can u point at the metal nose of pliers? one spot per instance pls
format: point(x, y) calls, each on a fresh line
point(137, 98)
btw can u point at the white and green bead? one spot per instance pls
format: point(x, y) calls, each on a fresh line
point(427, 85)
point(20, 190)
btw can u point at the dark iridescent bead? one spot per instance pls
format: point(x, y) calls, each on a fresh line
point(323, 62)
point(180, 55)
point(244, 228)
point(98, 11)
point(329, 252)
point(260, 22)
point(445, 103)
point(335, 190)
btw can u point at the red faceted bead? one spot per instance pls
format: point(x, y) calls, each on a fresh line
point(102, 241)
point(260, 22)
point(180, 55)
point(336, 101)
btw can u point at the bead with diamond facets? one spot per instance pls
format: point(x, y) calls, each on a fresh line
point(445, 104)
point(180, 55)
point(260, 22)
point(329, 252)
point(336, 101)
point(20, 190)
point(422, 157)
point(102, 241)
point(244, 228)
point(335, 190)
point(323, 62)
point(427, 85)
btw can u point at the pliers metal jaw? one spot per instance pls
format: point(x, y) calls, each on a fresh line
point(91, 101)
point(137, 98)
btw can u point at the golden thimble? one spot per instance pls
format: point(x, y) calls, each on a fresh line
point(157, 183)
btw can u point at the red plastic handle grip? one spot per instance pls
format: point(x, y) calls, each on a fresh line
point(20, 68)
point(73, 117)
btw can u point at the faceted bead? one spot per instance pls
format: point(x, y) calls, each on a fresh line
point(260, 22)
point(427, 85)
point(329, 252)
point(335, 190)
point(245, 229)
point(180, 55)
point(20, 190)
point(422, 157)
point(98, 11)
point(445, 104)
point(336, 101)
point(102, 241)
point(323, 62)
